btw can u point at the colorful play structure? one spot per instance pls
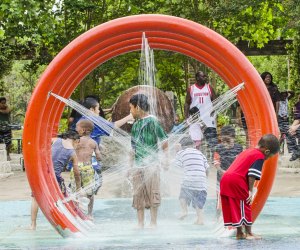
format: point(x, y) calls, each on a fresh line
point(109, 40)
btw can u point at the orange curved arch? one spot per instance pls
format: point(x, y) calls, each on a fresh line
point(111, 39)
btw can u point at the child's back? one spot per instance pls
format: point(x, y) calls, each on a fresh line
point(195, 166)
point(194, 183)
point(86, 148)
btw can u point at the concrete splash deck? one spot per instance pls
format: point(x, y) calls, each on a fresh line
point(115, 220)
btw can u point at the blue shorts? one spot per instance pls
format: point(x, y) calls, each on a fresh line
point(61, 183)
point(198, 198)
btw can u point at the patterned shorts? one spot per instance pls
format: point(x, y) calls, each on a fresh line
point(87, 176)
point(5, 136)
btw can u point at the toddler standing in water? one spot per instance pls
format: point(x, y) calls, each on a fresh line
point(101, 128)
point(236, 186)
point(84, 151)
point(194, 183)
point(63, 151)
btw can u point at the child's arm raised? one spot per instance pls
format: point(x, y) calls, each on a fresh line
point(124, 120)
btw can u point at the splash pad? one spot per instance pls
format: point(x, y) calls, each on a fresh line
point(114, 38)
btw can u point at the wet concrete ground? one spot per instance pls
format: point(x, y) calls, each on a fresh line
point(115, 220)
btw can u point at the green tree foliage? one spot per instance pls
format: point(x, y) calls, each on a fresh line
point(293, 13)
point(276, 65)
point(5, 53)
point(36, 30)
point(255, 21)
point(18, 86)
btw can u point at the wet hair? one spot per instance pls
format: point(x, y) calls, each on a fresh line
point(270, 142)
point(140, 100)
point(264, 75)
point(70, 134)
point(101, 113)
point(186, 142)
point(194, 111)
point(87, 125)
point(228, 131)
point(2, 99)
point(90, 103)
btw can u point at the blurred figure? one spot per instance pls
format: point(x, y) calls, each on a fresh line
point(177, 127)
point(195, 130)
point(242, 123)
point(225, 153)
point(5, 129)
point(283, 120)
point(294, 130)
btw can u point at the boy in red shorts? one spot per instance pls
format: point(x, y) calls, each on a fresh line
point(236, 186)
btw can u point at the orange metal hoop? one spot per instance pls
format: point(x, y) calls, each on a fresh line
point(114, 38)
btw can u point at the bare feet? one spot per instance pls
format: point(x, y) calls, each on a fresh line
point(252, 236)
point(139, 226)
point(32, 227)
point(197, 222)
point(90, 217)
point(182, 217)
point(152, 226)
point(241, 236)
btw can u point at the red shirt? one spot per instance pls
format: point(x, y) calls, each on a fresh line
point(234, 182)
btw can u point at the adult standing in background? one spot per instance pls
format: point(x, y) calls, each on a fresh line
point(201, 95)
point(5, 129)
point(283, 120)
point(272, 88)
point(294, 130)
